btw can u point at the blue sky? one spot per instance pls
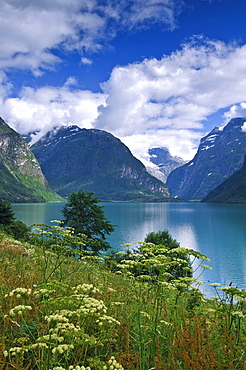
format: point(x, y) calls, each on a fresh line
point(151, 72)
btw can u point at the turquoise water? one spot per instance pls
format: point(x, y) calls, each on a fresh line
point(216, 230)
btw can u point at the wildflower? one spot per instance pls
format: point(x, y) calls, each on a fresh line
point(19, 292)
point(5, 353)
point(56, 317)
point(62, 348)
point(107, 319)
point(114, 365)
point(38, 345)
point(14, 351)
point(86, 289)
point(19, 310)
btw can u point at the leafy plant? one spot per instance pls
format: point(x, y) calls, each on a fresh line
point(86, 217)
point(6, 213)
point(58, 312)
point(13, 227)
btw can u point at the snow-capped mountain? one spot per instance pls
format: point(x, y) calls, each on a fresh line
point(220, 154)
point(73, 158)
point(164, 161)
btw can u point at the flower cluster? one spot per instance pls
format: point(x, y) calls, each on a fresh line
point(85, 289)
point(107, 320)
point(14, 351)
point(90, 305)
point(42, 292)
point(56, 318)
point(114, 365)
point(19, 293)
point(18, 310)
point(72, 320)
point(62, 348)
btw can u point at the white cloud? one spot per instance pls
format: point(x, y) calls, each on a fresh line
point(31, 30)
point(86, 61)
point(153, 103)
point(171, 97)
point(48, 107)
point(236, 110)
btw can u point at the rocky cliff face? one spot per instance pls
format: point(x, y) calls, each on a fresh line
point(21, 178)
point(220, 154)
point(232, 190)
point(164, 161)
point(94, 160)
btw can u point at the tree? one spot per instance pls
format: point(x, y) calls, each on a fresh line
point(182, 265)
point(6, 213)
point(83, 213)
point(9, 225)
point(163, 238)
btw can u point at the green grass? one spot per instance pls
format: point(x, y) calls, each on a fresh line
point(60, 313)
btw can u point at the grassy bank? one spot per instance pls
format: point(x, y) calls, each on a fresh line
point(60, 313)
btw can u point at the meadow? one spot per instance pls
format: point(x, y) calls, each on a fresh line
point(64, 313)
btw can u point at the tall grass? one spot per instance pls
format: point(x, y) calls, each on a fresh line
point(61, 313)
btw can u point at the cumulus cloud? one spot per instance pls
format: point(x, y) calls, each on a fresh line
point(236, 110)
point(48, 107)
point(163, 102)
point(173, 96)
point(30, 31)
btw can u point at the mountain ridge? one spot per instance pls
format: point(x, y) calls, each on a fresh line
point(21, 177)
point(232, 190)
point(219, 155)
point(73, 158)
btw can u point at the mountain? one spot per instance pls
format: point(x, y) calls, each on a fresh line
point(165, 163)
point(220, 154)
point(94, 160)
point(232, 190)
point(21, 177)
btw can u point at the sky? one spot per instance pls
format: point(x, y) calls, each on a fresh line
point(154, 73)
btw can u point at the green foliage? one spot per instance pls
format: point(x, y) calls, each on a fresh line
point(18, 230)
point(83, 317)
point(8, 224)
point(159, 257)
point(55, 244)
point(163, 238)
point(176, 270)
point(86, 217)
point(6, 213)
